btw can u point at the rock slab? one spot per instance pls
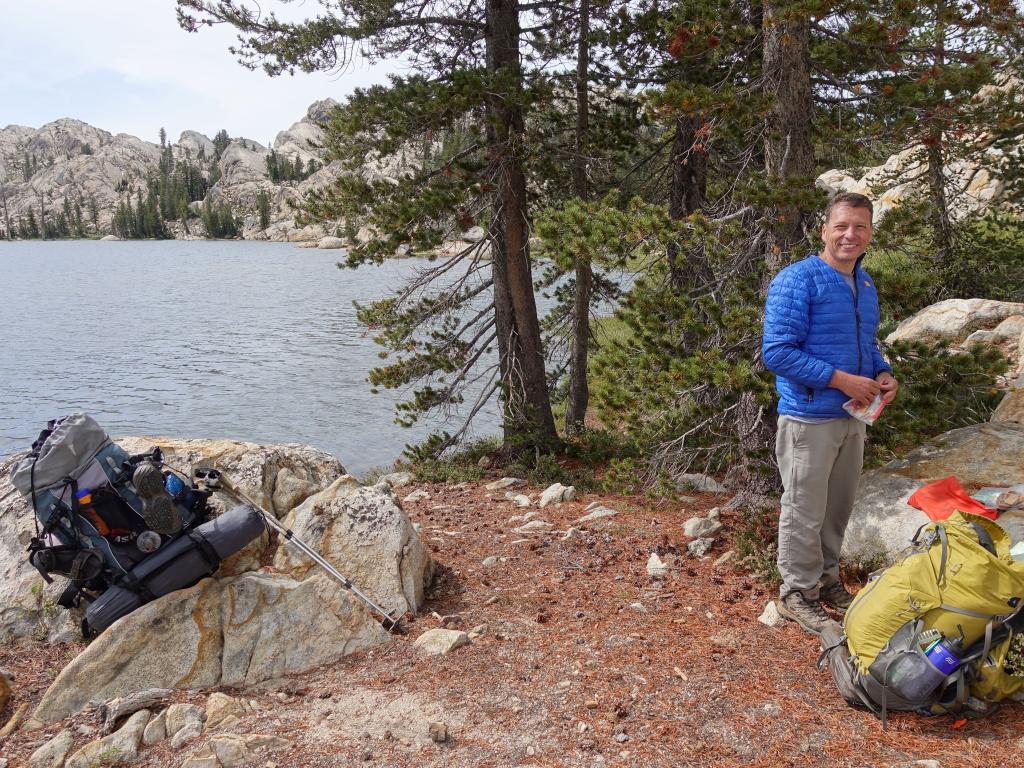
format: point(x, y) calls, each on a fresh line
point(240, 630)
point(53, 753)
point(122, 746)
point(882, 523)
point(437, 642)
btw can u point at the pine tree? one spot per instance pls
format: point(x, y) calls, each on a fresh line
point(469, 63)
point(273, 169)
point(220, 143)
point(219, 220)
point(263, 208)
point(31, 227)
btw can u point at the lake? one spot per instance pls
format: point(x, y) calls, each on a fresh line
point(209, 339)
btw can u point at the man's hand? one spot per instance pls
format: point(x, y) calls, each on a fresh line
point(889, 386)
point(860, 388)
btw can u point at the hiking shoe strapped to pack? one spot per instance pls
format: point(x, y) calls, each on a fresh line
point(836, 597)
point(157, 505)
point(804, 611)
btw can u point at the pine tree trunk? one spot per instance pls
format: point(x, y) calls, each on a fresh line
point(942, 227)
point(788, 149)
point(938, 204)
point(789, 155)
point(688, 186)
point(42, 216)
point(528, 421)
point(579, 388)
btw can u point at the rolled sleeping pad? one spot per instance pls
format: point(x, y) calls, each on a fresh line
point(178, 564)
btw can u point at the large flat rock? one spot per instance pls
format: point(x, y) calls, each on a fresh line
point(953, 320)
point(979, 455)
point(234, 631)
point(243, 627)
point(990, 454)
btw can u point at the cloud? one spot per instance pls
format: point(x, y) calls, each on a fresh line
point(126, 66)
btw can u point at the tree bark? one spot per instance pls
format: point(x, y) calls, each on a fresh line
point(528, 422)
point(942, 227)
point(789, 158)
point(579, 388)
point(788, 150)
point(42, 215)
point(938, 204)
point(689, 184)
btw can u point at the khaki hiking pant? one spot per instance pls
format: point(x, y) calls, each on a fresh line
point(820, 466)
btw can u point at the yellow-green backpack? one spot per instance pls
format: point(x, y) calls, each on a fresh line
point(934, 628)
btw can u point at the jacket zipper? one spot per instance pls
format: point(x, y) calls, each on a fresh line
point(856, 314)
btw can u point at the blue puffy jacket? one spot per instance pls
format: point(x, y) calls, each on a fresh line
point(812, 325)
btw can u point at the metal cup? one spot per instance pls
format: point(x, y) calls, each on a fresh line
point(207, 477)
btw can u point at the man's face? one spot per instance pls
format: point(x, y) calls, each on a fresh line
point(846, 234)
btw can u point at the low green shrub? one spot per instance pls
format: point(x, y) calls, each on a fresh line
point(463, 465)
point(756, 543)
point(987, 263)
point(940, 389)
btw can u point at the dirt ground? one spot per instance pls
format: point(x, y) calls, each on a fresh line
point(585, 661)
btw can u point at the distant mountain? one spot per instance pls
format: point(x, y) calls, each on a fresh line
point(73, 170)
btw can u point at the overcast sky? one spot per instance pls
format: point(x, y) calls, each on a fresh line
point(126, 67)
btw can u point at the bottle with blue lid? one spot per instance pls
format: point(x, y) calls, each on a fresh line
point(916, 676)
point(945, 655)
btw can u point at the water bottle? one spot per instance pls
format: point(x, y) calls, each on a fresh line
point(945, 655)
point(174, 485)
point(915, 677)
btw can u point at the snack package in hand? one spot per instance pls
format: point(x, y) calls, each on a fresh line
point(866, 413)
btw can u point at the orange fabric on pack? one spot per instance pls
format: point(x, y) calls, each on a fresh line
point(942, 498)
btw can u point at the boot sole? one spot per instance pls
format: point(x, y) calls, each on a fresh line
point(157, 506)
point(160, 515)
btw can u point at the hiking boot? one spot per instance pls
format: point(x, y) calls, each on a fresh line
point(836, 597)
point(157, 506)
point(804, 611)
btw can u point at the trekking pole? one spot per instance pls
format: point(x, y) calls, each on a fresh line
point(389, 622)
point(213, 478)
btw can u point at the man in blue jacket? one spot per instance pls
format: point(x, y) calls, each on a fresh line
point(820, 325)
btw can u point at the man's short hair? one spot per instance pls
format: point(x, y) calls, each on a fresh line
point(852, 199)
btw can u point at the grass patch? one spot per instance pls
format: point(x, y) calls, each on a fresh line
point(468, 464)
point(611, 329)
point(858, 572)
point(580, 461)
point(373, 474)
point(757, 544)
point(108, 757)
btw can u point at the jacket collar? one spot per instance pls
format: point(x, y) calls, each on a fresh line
point(856, 264)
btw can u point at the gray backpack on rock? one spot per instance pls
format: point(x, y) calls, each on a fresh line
point(94, 521)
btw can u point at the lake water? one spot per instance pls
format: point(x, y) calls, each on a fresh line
point(243, 340)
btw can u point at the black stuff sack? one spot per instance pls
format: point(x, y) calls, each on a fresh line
point(180, 564)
